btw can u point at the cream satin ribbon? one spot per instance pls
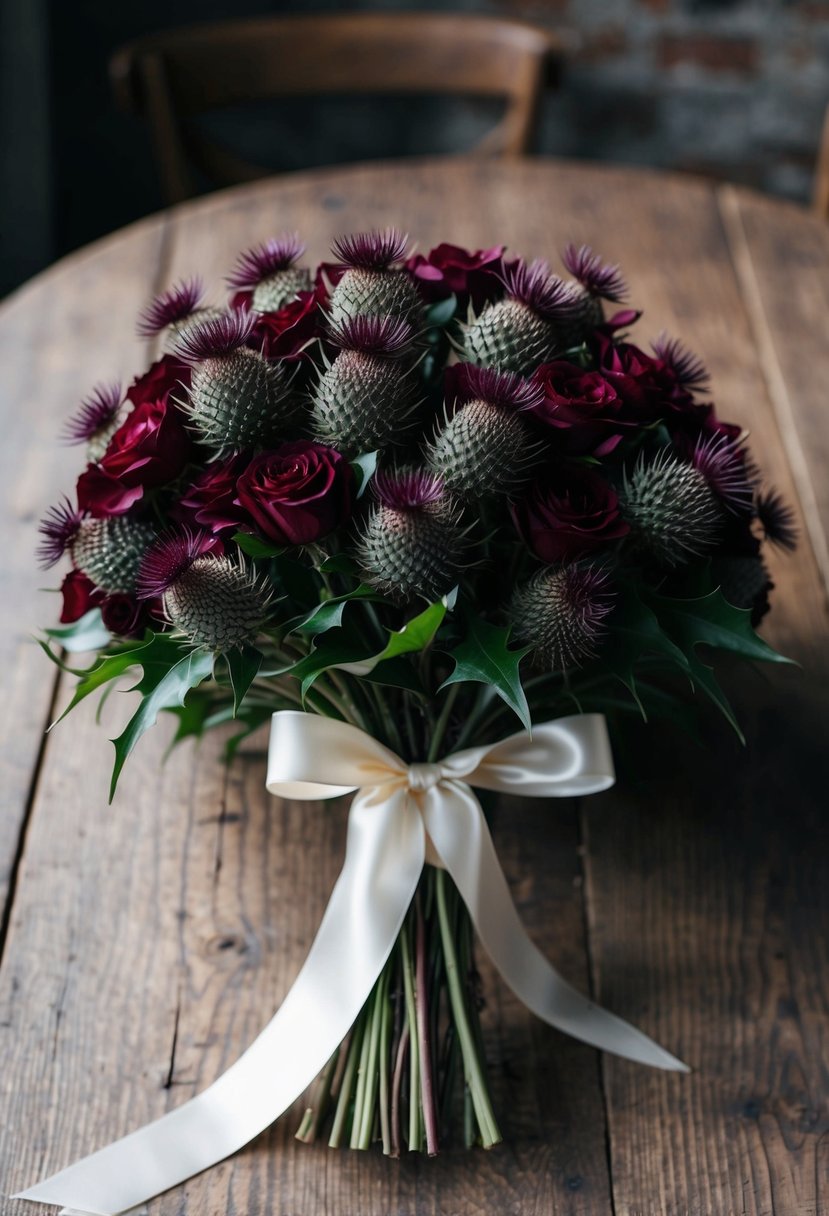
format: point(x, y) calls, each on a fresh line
point(402, 816)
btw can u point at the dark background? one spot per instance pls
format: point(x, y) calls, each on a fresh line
point(731, 88)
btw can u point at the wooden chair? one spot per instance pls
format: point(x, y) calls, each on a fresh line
point(820, 197)
point(170, 78)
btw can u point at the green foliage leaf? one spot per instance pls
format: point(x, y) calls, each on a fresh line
point(635, 633)
point(329, 614)
point(364, 468)
point(160, 688)
point(442, 312)
point(255, 546)
point(243, 667)
point(88, 633)
point(156, 650)
point(484, 657)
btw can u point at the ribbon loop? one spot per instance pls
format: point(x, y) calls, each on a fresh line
point(390, 835)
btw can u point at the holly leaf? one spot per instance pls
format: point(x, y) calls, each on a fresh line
point(156, 649)
point(329, 614)
point(484, 657)
point(364, 468)
point(255, 546)
point(243, 667)
point(160, 689)
point(87, 633)
point(635, 632)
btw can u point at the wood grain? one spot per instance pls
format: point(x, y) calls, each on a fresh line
point(148, 943)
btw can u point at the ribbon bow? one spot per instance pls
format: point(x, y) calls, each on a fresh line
point(402, 816)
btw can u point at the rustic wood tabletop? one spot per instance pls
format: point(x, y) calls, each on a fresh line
point(144, 945)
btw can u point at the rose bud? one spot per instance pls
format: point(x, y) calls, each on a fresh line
point(572, 512)
point(298, 493)
point(561, 613)
point(291, 333)
point(123, 615)
point(370, 284)
point(268, 275)
point(79, 595)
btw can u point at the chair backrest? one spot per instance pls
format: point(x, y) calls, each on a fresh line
point(820, 196)
point(173, 76)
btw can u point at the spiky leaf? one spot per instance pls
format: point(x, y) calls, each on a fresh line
point(484, 657)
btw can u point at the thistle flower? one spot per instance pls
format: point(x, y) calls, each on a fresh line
point(529, 325)
point(597, 281)
point(365, 398)
point(777, 519)
point(371, 285)
point(723, 464)
point(213, 600)
point(688, 368)
point(59, 527)
point(96, 421)
point(236, 397)
point(269, 273)
point(175, 311)
point(483, 447)
point(672, 511)
point(561, 613)
point(412, 544)
point(109, 551)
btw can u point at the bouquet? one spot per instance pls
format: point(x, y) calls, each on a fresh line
point(411, 505)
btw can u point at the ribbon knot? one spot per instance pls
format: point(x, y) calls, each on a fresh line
point(423, 776)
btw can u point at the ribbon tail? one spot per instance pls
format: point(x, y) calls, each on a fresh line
point(458, 830)
point(384, 860)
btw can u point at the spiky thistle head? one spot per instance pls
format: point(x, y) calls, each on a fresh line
point(59, 527)
point(673, 513)
point(237, 398)
point(744, 582)
point(723, 463)
point(688, 368)
point(96, 420)
point(366, 398)
point(561, 612)
point(371, 284)
point(269, 272)
point(171, 307)
point(777, 520)
point(211, 599)
point(598, 278)
point(412, 544)
point(483, 447)
point(545, 293)
point(109, 551)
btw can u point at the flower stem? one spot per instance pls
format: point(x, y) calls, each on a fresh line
point(344, 1097)
point(414, 1137)
point(424, 1033)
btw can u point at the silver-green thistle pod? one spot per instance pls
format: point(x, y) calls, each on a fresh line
point(412, 545)
point(528, 326)
point(366, 398)
point(237, 398)
point(483, 447)
point(371, 285)
point(561, 613)
point(212, 600)
point(596, 281)
point(96, 421)
point(743, 579)
point(676, 507)
point(176, 312)
point(269, 272)
point(108, 551)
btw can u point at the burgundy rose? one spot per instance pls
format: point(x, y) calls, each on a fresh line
point(569, 514)
point(581, 410)
point(123, 615)
point(210, 500)
point(448, 269)
point(149, 449)
point(168, 375)
point(101, 495)
point(648, 387)
point(290, 332)
point(79, 595)
point(298, 493)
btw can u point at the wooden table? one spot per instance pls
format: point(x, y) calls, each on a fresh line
point(145, 945)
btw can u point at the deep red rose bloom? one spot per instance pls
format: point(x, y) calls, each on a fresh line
point(289, 333)
point(210, 500)
point(150, 447)
point(581, 409)
point(648, 387)
point(569, 514)
point(448, 269)
point(168, 375)
point(79, 595)
point(101, 495)
point(298, 493)
point(123, 615)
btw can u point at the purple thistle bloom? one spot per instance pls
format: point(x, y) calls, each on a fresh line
point(777, 519)
point(586, 591)
point(407, 489)
point(59, 527)
point(544, 292)
point(262, 261)
point(180, 302)
point(383, 336)
point(96, 411)
point(504, 390)
point(723, 464)
point(216, 337)
point(688, 368)
point(596, 277)
point(371, 250)
point(169, 558)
